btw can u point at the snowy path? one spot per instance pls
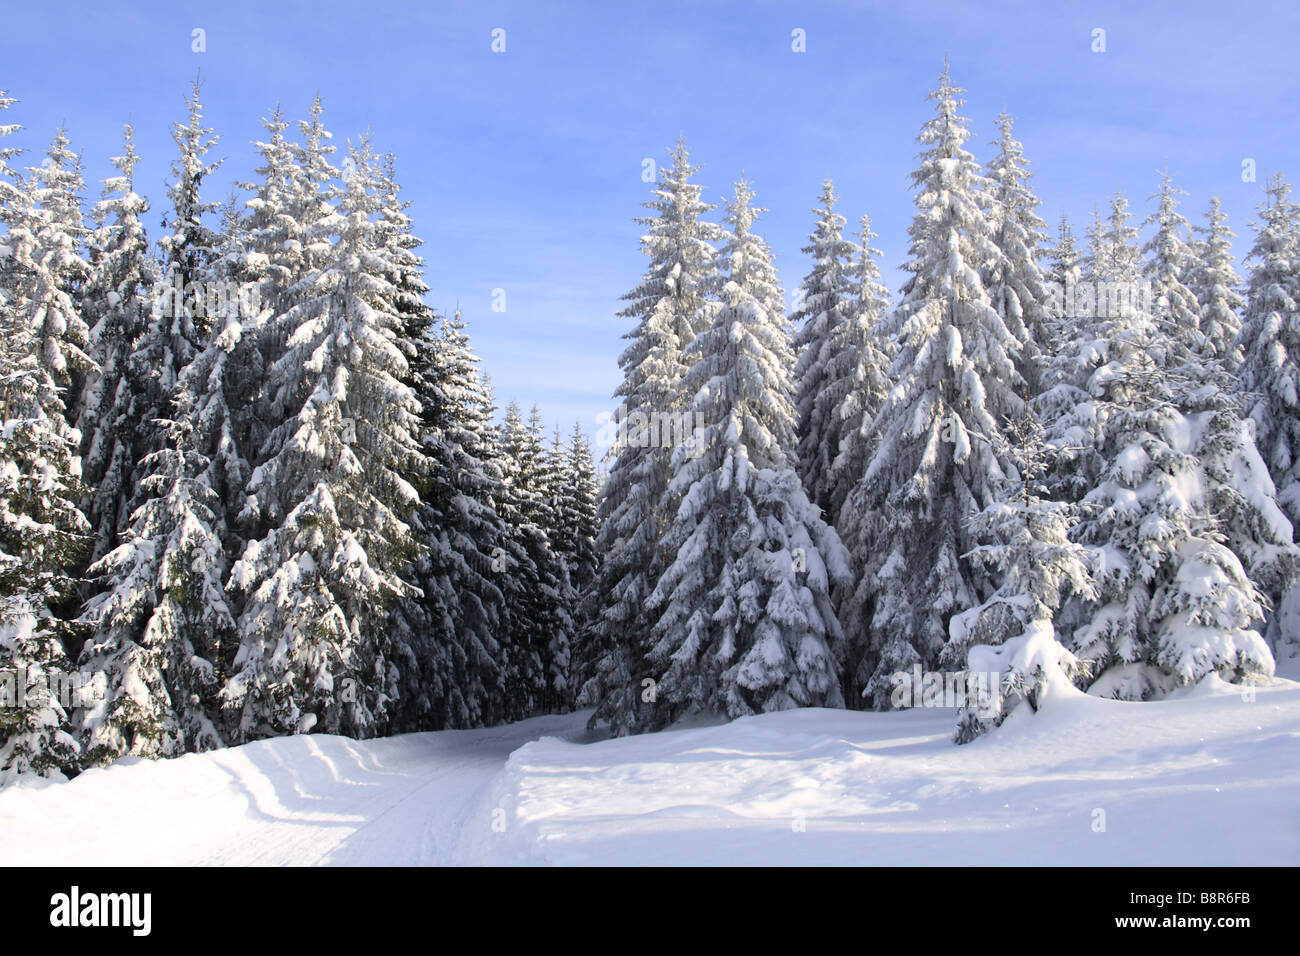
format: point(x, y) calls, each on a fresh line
point(1207, 777)
point(299, 801)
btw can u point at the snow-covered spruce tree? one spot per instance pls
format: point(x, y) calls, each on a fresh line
point(55, 294)
point(1239, 492)
point(1167, 263)
point(1014, 279)
point(935, 457)
point(579, 491)
point(115, 418)
point(826, 342)
point(45, 238)
point(1010, 639)
point(10, 201)
point(1063, 256)
point(1174, 601)
point(269, 264)
point(1064, 273)
point(667, 308)
point(575, 540)
point(540, 599)
point(1270, 340)
point(189, 247)
point(446, 635)
point(161, 622)
point(745, 623)
point(866, 355)
point(288, 239)
point(568, 599)
point(475, 533)
point(8, 186)
point(1213, 280)
point(1096, 307)
point(314, 648)
point(429, 666)
point(1094, 260)
point(225, 375)
point(43, 534)
point(452, 676)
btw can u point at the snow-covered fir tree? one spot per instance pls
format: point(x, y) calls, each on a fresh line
point(114, 409)
point(453, 675)
point(1010, 639)
point(1270, 341)
point(827, 341)
point(433, 680)
point(745, 622)
point(668, 308)
point(162, 620)
point(1213, 280)
point(1064, 273)
point(476, 535)
point(314, 649)
point(43, 533)
point(935, 456)
point(578, 493)
point(189, 246)
point(540, 624)
point(1014, 279)
point(1167, 263)
point(1174, 601)
point(865, 354)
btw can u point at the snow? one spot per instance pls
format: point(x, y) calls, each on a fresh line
point(1205, 777)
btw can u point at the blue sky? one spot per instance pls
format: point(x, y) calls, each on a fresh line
point(524, 167)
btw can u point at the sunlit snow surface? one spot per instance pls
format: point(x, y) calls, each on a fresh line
point(1203, 778)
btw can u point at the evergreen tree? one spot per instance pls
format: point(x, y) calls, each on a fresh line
point(745, 619)
point(668, 306)
point(541, 628)
point(1174, 601)
point(1013, 279)
point(1270, 339)
point(1176, 308)
point(865, 355)
point(314, 651)
point(828, 343)
point(576, 517)
point(1012, 633)
point(936, 458)
point(190, 245)
point(575, 536)
point(1213, 281)
point(161, 622)
point(43, 534)
point(475, 531)
point(115, 418)
point(1065, 272)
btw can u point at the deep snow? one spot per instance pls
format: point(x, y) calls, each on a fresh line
point(1206, 777)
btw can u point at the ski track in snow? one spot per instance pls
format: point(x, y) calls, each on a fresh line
point(306, 800)
point(1205, 777)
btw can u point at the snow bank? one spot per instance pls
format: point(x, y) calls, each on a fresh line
point(1205, 777)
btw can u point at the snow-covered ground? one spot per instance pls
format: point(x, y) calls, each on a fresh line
point(1203, 778)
